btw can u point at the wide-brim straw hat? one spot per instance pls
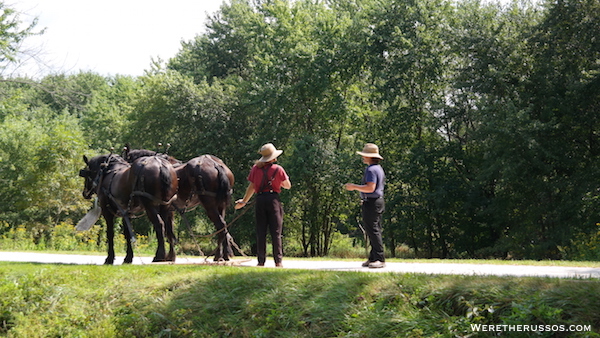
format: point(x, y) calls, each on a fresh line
point(269, 152)
point(370, 150)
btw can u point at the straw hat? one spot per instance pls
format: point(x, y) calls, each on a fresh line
point(370, 150)
point(269, 152)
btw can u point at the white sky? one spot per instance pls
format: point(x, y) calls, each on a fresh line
point(109, 37)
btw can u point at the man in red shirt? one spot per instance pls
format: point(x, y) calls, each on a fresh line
point(266, 180)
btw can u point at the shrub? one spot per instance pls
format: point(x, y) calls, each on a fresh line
point(585, 247)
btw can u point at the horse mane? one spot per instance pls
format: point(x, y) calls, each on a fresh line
point(134, 154)
point(114, 158)
point(131, 155)
point(108, 160)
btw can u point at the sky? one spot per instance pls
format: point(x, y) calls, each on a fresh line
point(108, 37)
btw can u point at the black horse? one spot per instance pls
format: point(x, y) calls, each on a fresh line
point(149, 185)
point(203, 180)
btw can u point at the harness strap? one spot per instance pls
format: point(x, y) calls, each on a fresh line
point(267, 184)
point(153, 198)
point(125, 217)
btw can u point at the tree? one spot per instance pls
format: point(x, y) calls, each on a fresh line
point(39, 161)
point(480, 120)
point(409, 59)
point(561, 125)
point(105, 118)
point(193, 118)
point(12, 35)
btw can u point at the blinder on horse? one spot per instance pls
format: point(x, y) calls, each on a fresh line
point(85, 173)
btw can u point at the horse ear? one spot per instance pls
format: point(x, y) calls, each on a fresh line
point(85, 159)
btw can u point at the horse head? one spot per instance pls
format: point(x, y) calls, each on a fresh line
point(89, 174)
point(95, 168)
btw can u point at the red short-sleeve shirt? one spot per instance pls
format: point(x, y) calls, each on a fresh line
point(256, 177)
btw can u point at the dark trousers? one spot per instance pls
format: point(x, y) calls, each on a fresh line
point(372, 209)
point(269, 218)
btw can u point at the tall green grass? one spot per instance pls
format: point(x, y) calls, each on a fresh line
point(217, 301)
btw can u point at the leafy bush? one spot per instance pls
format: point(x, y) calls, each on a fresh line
point(64, 237)
point(585, 247)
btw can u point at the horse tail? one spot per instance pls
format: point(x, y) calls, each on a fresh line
point(224, 190)
point(166, 179)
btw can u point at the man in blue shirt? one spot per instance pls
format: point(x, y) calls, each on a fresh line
point(373, 205)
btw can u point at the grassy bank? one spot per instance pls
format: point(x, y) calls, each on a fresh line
point(217, 301)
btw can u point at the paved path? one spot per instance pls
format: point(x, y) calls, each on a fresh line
point(426, 268)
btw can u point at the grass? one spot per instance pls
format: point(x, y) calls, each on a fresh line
point(51, 300)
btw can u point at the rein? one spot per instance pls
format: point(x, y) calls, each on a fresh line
point(227, 226)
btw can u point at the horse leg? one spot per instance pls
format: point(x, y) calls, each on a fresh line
point(167, 216)
point(226, 241)
point(223, 249)
point(110, 237)
point(128, 237)
point(159, 229)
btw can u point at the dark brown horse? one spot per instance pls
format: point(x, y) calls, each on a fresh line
point(206, 181)
point(149, 184)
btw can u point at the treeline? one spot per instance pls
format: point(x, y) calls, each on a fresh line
point(487, 116)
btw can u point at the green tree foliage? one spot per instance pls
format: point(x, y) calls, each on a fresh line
point(480, 121)
point(101, 104)
point(39, 163)
point(170, 108)
point(562, 95)
point(105, 118)
point(12, 34)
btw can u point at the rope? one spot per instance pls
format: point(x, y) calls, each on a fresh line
point(227, 226)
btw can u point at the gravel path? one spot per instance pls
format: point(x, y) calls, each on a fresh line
point(426, 268)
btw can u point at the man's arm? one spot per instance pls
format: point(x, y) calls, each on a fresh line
point(367, 188)
point(247, 196)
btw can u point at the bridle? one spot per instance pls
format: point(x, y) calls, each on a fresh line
point(88, 173)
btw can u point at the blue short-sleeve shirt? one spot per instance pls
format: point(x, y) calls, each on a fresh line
point(374, 173)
